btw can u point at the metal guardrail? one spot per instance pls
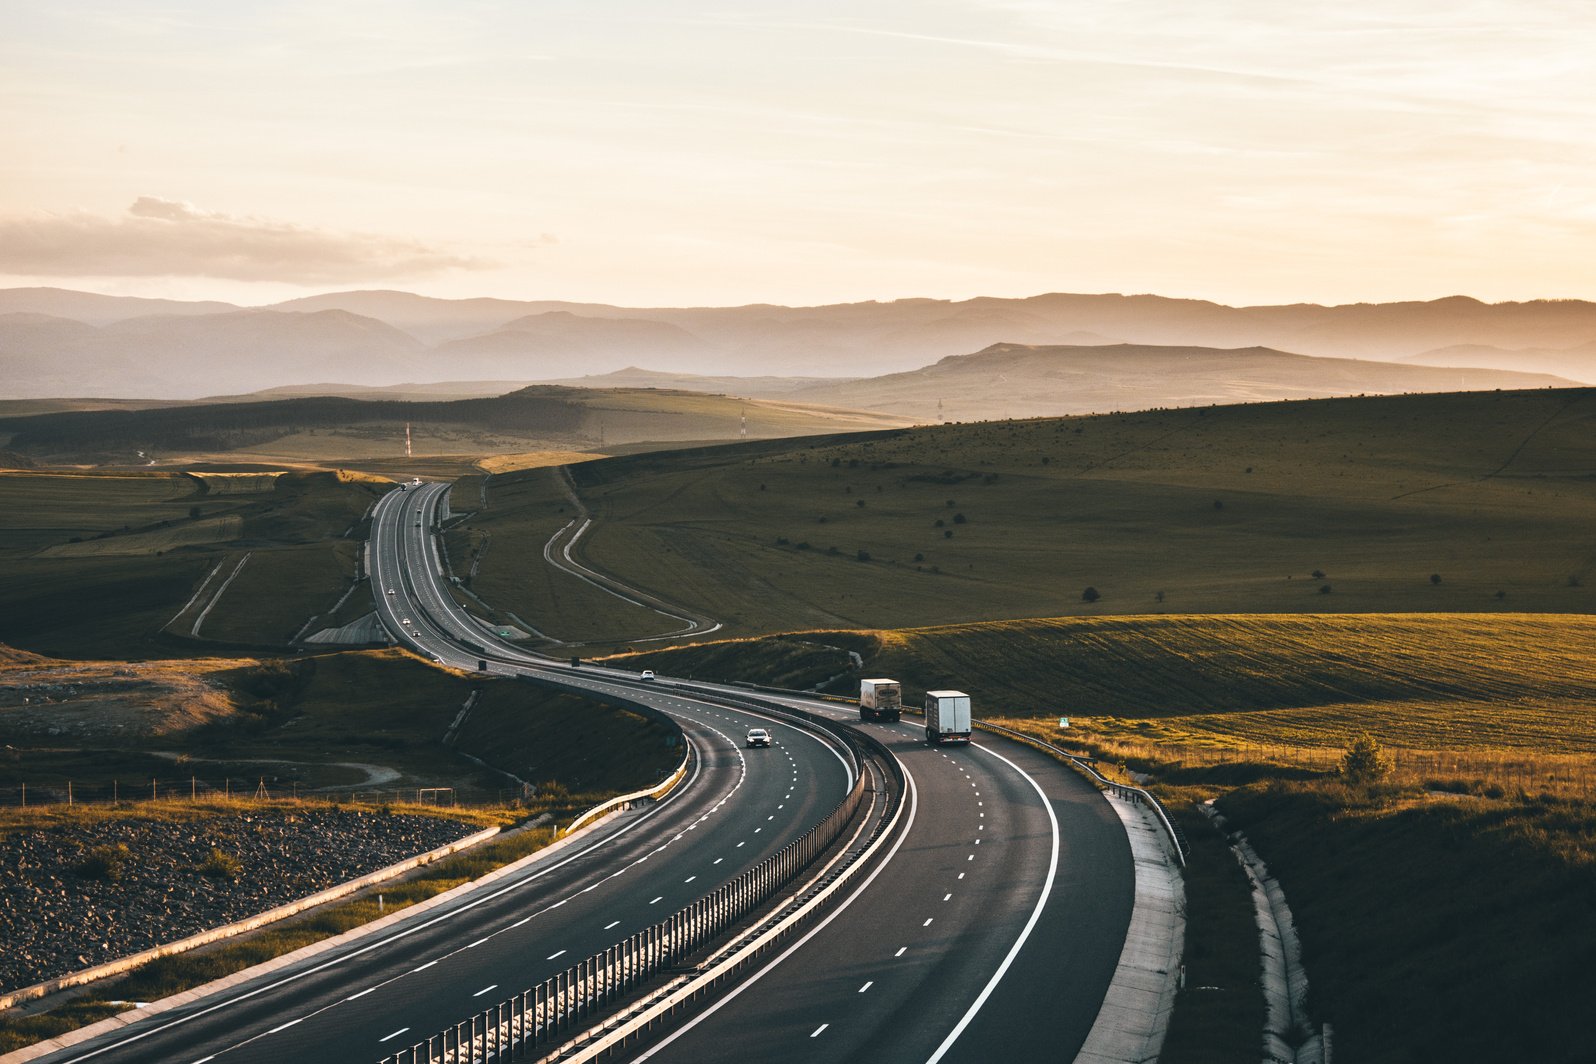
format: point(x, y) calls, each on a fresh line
point(1122, 790)
point(549, 1014)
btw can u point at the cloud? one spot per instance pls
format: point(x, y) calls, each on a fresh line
point(160, 237)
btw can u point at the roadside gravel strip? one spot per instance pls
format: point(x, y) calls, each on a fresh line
point(55, 920)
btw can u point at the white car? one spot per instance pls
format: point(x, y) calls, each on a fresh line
point(648, 674)
point(758, 737)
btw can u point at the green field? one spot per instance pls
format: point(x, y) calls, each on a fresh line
point(524, 510)
point(1455, 503)
point(373, 720)
point(100, 565)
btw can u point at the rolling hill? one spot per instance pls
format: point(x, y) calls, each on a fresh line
point(348, 430)
point(1014, 380)
point(378, 337)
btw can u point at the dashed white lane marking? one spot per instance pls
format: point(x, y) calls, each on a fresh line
point(743, 843)
point(285, 1026)
point(717, 860)
point(961, 875)
point(656, 900)
point(817, 1030)
point(758, 830)
point(901, 951)
point(484, 990)
point(551, 956)
point(867, 986)
point(391, 1037)
point(772, 816)
point(362, 994)
point(947, 897)
point(970, 858)
point(689, 879)
point(424, 967)
point(612, 923)
point(928, 921)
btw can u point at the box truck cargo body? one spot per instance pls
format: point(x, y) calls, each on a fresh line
point(947, 717)
point(880, 699)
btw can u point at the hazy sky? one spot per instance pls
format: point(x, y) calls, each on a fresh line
point(712, 153)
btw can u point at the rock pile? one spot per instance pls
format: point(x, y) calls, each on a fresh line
point(61, 909)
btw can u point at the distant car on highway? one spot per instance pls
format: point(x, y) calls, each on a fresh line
point(648, 674)
point(758, 737)
point(390, 591)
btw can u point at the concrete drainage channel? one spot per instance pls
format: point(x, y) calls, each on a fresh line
point(593, 1008)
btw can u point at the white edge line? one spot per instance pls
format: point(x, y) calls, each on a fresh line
point(1036, 914)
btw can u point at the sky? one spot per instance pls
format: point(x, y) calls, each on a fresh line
point(694, 153)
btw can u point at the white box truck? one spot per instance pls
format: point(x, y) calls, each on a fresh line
point(947, 717)
point(880, 699)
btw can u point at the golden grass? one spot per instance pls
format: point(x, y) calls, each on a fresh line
point(510, 463)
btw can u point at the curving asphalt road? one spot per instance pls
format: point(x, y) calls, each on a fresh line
point(359, 1001)
point(992, 933)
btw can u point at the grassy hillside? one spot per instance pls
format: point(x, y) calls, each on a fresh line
point(1416, 680)
point(99, 565)
point(1457, 503)
point(373, 719)
point(356, 431)
point(1444, 911)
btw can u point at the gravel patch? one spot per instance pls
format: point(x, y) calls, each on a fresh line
point(55, 919)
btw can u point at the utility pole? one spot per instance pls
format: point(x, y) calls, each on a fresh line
point(407, 439)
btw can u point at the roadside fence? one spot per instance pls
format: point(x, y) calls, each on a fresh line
point(560, 1007)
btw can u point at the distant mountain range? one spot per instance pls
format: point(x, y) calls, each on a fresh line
point(55, 342)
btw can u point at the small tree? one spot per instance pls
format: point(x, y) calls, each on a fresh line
point(1317, 574)
point(1365, 761)
point(1324, 589)
point(863, 556)
point(1091, 594)
point(1435, 578)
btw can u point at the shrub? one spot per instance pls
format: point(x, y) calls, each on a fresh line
point(919, 557)
point(938, 523)
point(863, 555)
point(1324, 589)
point(959, 519)
point(948, 534)
point(1365, 761)
point(781, 541)
point(105, 863)
point(219, 865)
point(1317, 574)
point(1091, 594)
point(1435, 578)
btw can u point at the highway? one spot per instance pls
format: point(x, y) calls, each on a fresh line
point(992, 933)
point(351, 1004)
point(989, 932)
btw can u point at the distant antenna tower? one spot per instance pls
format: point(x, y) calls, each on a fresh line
point(407, 439)
point(744, 429)
point(940, 416)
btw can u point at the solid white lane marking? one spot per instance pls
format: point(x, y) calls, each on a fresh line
point(396, 1034)
point(525, 920)
point(286, 1026)
point(484, 990)
point(612, 923)
point(551, 956)
point(901, 951)
point(362, 994)
point(477, 943)
point(205, 1060)
point(1025, 933)
point(817, 1030)
point(867, 986)
point(424, 967)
